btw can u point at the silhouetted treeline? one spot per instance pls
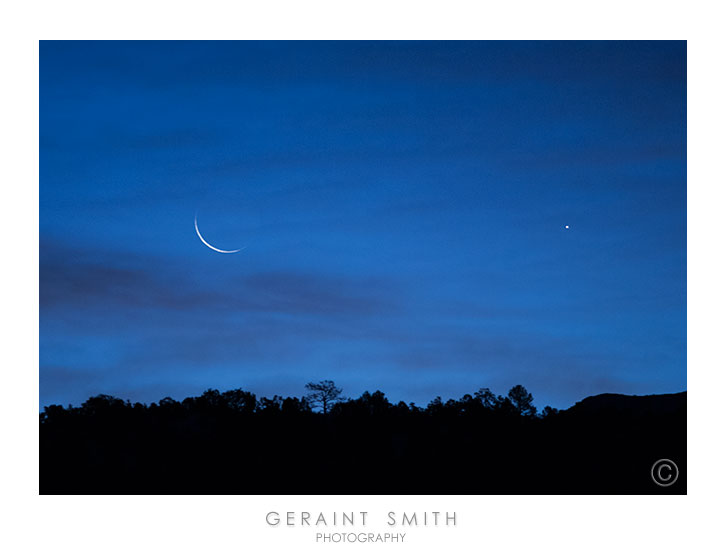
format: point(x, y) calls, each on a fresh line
point(236, 443)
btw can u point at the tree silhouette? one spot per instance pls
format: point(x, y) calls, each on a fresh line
point(522, 399)
point(548, 412)
point(234, 442)
point(487, 398)
point(323, 394)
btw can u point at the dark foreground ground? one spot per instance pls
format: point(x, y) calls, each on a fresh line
point(233, 443)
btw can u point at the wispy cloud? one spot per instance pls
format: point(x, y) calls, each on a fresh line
point(81, 280)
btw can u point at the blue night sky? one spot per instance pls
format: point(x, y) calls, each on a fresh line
point(403, 207)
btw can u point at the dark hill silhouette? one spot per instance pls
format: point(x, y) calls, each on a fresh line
point(646, 404)
point(236, 443)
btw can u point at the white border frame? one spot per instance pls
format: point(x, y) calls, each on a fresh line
point(233, 526)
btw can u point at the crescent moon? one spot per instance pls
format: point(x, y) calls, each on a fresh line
point(196, 226)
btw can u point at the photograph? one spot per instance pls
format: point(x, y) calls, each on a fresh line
point(363, 267)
